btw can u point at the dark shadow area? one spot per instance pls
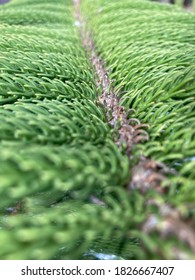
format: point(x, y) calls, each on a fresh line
point(4, 1)
point(187, 4)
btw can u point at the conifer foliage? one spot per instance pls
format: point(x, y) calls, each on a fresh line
point(64, 183)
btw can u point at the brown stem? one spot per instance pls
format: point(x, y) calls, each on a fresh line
point(147, 173)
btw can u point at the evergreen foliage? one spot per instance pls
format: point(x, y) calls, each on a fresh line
point(149, 49)
point(62, 178)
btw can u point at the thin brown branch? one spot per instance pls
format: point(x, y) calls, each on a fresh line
point(147, 173)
